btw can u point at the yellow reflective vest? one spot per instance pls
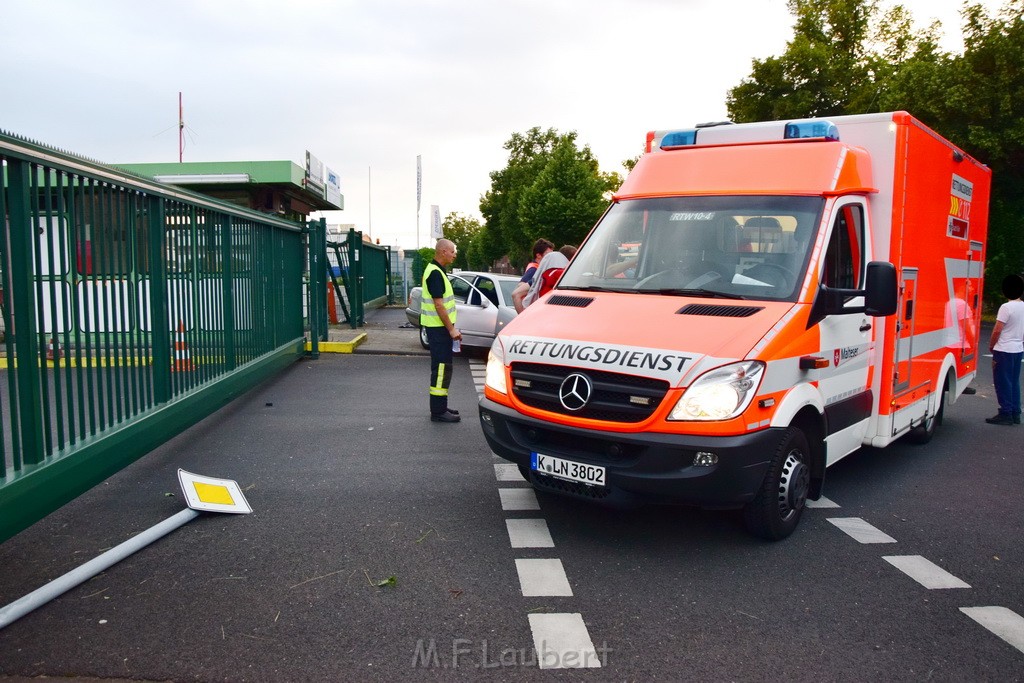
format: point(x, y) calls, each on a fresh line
point(428, 312)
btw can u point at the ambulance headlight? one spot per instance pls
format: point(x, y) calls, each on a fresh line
point(720, 394)
point(495, 375)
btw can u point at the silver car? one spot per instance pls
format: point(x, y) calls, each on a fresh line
point(483, 302)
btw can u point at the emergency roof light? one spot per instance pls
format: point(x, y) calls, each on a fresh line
point(743, 133)
point(679, 138)
point(802, 130)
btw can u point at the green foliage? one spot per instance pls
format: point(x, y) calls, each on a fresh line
point(462, 230)
point(846, 58)
point(825, 69)
point(566, 197)
point(550, 188)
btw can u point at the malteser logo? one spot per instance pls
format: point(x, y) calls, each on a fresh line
point(845, 354)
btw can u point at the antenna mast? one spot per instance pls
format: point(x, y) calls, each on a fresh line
point(181, 130)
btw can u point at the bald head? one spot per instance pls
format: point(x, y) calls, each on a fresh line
point(444, 252)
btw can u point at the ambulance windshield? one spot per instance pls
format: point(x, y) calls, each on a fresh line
point(731, 247)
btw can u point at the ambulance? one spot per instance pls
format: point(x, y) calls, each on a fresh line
point(759, 301)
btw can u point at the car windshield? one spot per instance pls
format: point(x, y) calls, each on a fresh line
point(730, 247)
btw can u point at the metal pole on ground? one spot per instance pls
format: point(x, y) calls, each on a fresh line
point(201, 494)
point(63, 584)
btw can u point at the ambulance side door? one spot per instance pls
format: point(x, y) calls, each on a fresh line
point(846, 338)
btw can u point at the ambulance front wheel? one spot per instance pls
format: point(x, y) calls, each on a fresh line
point(779, 503)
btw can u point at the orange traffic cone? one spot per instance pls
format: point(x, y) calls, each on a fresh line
point(53, 349)
point(182, 361)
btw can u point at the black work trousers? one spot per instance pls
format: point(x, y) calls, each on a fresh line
point(440, 368)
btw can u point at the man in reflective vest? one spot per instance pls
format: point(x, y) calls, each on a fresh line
point(437, 317)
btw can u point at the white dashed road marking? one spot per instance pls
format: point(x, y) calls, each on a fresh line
point(518, 499)
point(925, 572)
point(563, 642)
point(822, 502)
point(529, 533)
point(861, 531)
point(507, 472)
point(542, 578)
point(1001, 621)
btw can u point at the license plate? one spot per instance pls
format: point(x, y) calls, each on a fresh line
point(592, 475)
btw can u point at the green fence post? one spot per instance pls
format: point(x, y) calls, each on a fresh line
point(311, 232)
point(355, 276)
point(228, 289)
point(159, 315)
point(390, 279)
point(321, 277)
point(22, 301)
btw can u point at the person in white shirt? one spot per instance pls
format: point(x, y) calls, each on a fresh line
point(552, 259)
point(1007, 346)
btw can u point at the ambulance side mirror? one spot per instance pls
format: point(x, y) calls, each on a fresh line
point(880, 294)
point(881, 290)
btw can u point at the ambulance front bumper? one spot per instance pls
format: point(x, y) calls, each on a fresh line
point(639, 467)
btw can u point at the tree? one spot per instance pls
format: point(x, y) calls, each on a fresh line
point(549, 188)
point(985, 115)
point(846, 59)
point(825, 70)
point(461, 230)
point(567, 196)
point(528, 153)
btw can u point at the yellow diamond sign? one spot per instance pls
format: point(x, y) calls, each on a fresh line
point(212, 495)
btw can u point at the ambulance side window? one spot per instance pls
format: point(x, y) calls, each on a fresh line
point(844, 257)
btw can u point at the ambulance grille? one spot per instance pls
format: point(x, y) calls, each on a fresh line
point(616, 397)
point(565, 300)
point(719, 310)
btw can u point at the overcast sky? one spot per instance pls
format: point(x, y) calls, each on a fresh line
point(366, 86)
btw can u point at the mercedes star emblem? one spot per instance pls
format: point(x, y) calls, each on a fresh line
point(575, 391)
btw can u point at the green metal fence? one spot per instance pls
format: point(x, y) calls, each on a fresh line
point(131, 310)
point(363, 271)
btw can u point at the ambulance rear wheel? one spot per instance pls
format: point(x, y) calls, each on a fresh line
point(779, 503)
point(924, 432)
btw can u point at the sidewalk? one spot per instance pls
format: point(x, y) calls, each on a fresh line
point(383, 332)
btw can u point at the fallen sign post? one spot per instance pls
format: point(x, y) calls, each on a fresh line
point(202, 494)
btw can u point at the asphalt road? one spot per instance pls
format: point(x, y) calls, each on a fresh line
point(379, 550)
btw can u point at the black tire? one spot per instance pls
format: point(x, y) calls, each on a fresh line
point(423, 337)
point(923, 433)
point(779, 503)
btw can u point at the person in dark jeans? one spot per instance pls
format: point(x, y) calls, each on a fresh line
point(437, 317)
point(1007, 346)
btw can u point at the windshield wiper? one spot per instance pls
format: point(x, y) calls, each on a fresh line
point(709, 293)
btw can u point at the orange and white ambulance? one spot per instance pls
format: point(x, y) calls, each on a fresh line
point(759, 301)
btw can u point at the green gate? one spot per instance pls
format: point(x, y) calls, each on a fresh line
point(361, 274)
point(131, 310)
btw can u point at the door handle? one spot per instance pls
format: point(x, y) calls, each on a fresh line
point(864, 327)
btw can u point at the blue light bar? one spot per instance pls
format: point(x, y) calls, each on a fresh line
point(679, 138)
point(811, 129)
